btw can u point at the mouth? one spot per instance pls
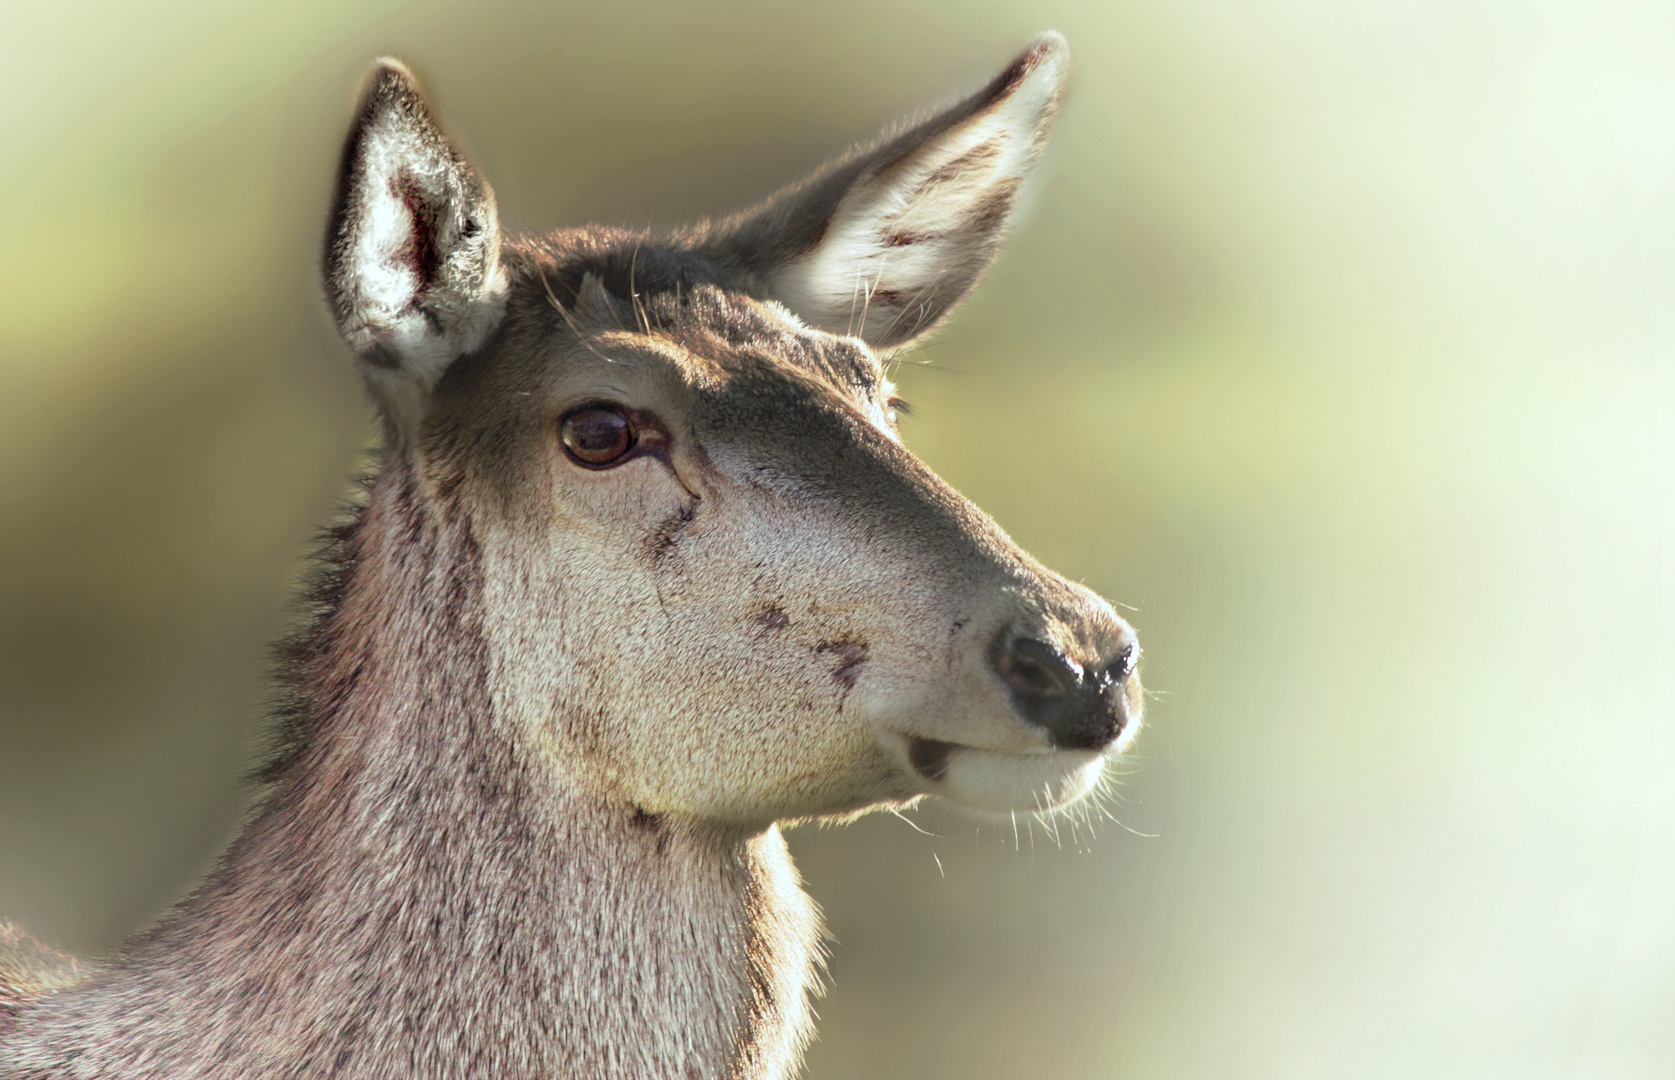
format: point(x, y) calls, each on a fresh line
point(999, 781)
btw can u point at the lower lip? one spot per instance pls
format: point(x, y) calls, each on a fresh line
point(996, 781)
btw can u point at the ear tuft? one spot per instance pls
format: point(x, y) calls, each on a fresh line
point(884, 244)
point(412, 262)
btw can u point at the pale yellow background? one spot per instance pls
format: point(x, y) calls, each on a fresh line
point(1335, 340)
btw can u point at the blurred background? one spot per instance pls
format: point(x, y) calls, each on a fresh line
point(1335, 340)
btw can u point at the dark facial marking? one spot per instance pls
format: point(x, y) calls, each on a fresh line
point(852, 654)
point(667, 534)
point(774, 618)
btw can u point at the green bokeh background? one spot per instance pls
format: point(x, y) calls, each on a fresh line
point(1335, 340)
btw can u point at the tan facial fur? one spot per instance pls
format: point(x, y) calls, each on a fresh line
point(751, 626)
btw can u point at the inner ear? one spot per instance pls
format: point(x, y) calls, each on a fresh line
point(884, 244)
point(412, 262)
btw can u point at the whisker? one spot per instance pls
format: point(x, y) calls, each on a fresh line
point(568, 321)
point(914, 825)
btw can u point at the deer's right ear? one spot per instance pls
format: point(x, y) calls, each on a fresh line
point(413, 249)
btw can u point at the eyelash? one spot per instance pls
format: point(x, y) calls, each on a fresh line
point(899, 405)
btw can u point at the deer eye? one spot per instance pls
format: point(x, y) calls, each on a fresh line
point(596, 436)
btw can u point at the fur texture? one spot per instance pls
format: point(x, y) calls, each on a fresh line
point(523, 821)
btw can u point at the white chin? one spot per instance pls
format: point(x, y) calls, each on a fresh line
point(986, 780)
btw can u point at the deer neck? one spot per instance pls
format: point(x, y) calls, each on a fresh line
point(416, 898)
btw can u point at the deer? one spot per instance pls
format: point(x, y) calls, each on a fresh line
point(644, 574)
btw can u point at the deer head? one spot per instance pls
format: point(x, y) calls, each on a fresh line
point(714, 582)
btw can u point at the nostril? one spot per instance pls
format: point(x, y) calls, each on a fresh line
point(1122, 665)
point(1036, 669)
point(1080, 708)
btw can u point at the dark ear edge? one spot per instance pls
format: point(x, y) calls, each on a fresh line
point(907, 225)
point(411, 262)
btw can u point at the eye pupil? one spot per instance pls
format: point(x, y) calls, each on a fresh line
point(596, 435)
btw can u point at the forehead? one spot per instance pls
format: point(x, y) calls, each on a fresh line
point(726, 335)
point(664, 316)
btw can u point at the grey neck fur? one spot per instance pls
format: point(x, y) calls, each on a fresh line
point(414, 900)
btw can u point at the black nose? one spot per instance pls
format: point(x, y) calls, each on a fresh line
point(1081, 709)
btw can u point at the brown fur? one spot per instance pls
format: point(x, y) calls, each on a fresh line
point(523, 818)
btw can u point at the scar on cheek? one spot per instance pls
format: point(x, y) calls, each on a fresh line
point(850, 655)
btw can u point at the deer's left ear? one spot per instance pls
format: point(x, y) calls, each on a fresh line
point(883, 244)
point(413, 249)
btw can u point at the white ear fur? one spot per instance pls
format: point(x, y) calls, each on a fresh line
point(884, 244)
point(928, 224)
point(412, 255)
